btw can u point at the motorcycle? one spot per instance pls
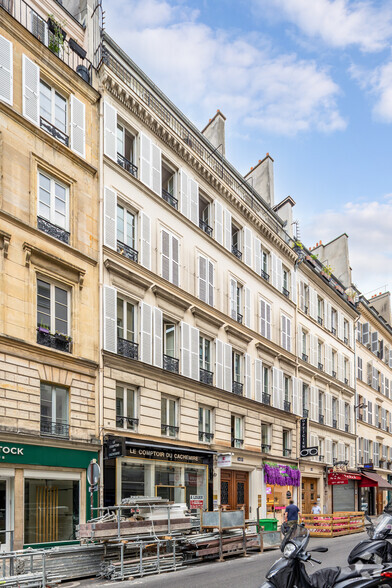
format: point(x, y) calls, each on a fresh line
point(289, 571)
point(376, 549)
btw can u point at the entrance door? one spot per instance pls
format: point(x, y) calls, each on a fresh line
point(235, 490)
point(380, 501)
point(4, 515)
point(309, 494)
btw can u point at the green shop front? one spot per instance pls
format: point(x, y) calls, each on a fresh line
point(43, 494)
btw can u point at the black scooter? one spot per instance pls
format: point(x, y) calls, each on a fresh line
point(289, 571)
point(377, 549)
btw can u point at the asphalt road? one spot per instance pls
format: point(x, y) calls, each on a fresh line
point(235, 572)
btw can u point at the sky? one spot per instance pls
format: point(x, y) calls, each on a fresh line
point(308, 81)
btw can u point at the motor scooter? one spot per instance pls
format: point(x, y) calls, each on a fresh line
point(376, 549)
point(289, 571)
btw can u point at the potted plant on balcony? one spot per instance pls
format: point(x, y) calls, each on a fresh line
point(326, 271)
point(297, 246)
point(56, 35)
point(43, 328)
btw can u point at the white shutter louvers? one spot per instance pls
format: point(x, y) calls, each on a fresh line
point(78, 126)
point(6, 70)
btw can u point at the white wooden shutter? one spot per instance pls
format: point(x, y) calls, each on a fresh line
point(6, 70)
point(227, 375)
point(258, 380)
point(340, 329)
point(247, 376)
point(165, 255)
point(273, 276)
point(210, 283)
point(288, 334)
point(233, 298)
point(299, 341)
point(227, 228)
point(156, 169)
point(30, 90)
point(277, 388)
point(175, 261)
point(145, 240)
point(202, 278)
point(313, 404)
point(185, 349)
point(328, 409)
point(313, 350)
point(328, 451)
point(158, 337)
point(110, 131)
point(184, 194)
point(279, 273)
point(78, 126)
point(314, 443)
point(297, 396)
point(328, 359)
point(145, 160)
point(195, 360)
point(248, 246)
point(247, 305)
point(110, 319)
point(341, 414)
point(110, 218)
point(219, 363)
point(218, 222)
point(283, 341)
point(265, 319)
point(313, 303)
point(327, 315)
point(257, 256)
point(294, 286)
point(193, 191)
point(340, 367)
point(145, 333)
point(352, 373)
point(352, 456)
point(340, 451)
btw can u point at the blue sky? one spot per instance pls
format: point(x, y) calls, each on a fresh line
point(309, 81)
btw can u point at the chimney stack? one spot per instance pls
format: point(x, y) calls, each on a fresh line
point(214, 131)
point(262, 178)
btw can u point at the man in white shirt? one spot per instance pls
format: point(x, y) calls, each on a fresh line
point(316, 509)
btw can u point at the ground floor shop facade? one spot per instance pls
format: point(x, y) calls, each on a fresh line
point(43, 493)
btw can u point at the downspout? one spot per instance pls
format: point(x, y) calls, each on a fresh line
point(100, 320)
point(355, 396)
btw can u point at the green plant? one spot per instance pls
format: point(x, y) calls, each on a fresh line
point(328, 270)
point(298, 244)
point(56, 37)
point(314, 256)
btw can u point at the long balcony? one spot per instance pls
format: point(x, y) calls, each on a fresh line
point(127, 251)
point(53, 230)
point(66, 50)
point(127, 348)
point(206, 377)
point(127, 165)
point(205, 227)
point(237, 388)
point(55, 341)
point(54, 428)
point(171, 364)
point(54, 131)
point(169, 198)
point(235, 251)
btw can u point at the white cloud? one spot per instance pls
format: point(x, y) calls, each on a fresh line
point(203, 69)
point(379, 83)
point(338, 23)
point(368, 225)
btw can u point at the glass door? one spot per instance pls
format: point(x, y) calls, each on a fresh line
point(4, 516)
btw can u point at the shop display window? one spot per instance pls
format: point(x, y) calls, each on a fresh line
point(277, 500)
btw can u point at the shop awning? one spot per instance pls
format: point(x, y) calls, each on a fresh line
point(371, 479)
point(335, 478)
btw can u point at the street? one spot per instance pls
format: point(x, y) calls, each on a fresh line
point(236, 572)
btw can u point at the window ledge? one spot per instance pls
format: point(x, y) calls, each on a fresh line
point(238, 337)
point(167, 296)
point(126, 273)
point(5, 239)
point(35, 255)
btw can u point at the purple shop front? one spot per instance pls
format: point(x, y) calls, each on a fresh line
point(282, 483)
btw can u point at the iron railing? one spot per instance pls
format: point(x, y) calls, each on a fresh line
point(321, 458)
point(169, 198)
point(127, 348)
point(52, 230)
point(265, 448)
point(333, 374)
point(127, 251)
point(236, 442)
point(205, 227)
point(286, 452)
point(239, 317)
point(54, 131)
point(286, 405)
point(171, 364)
point(54, 428)
point(320, 320)
point(237, 388)
point(320, 366)
point(346, 427)
point(127, 165)
point(264, 275)
point(55, 341)
point(68, 52)
point(306, 309)
point(305, 413)
point(169, 430)
point(285, 292)
point(266, 398)
point(206, 377)
point(235, 251)
point(346, 381)
point(205, 436)
point(321, 419)
point(304, 357)
point(335, 424)
point(333, 330)
point(346, 341)
point(130, 423)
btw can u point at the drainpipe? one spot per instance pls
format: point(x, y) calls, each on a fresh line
point(355, 396)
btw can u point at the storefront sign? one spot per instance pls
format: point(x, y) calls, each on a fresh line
point(224, 461)
point(337, 478)
point(196, 501)
point(122, 447)
point(303, 433)
point(6, 450)
point(45, 455)
point(115, 448)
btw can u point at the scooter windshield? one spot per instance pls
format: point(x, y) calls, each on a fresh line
point(298, 535)
point(383, 527)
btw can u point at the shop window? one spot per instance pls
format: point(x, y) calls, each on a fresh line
point(237, 434)
point(286, 443)
point(54, 411)
point(51, 510)
point(126, 233)
point(266, 438)
point(126, 408)
point(53, 307)
point(53, 207)
point(169, 426)
point(205, 424)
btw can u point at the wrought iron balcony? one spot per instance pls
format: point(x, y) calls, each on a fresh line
point(52, 230)
point(266, 398)
point(264, 275)
point(169, 430)
point(237, 388)
point(333, 330)
point(346, 340)
point(305, 413)
point(286, 452)
point(346, 381)
point(265, 448)
point(57, 341)
point(127, 165)
point(205, 227)
point(334, 423)
point(321, 419)
point(287, 405)
point(235, 251)
point(169, 198)
point(321, 458)
point(127, 348)
point(320, 366)
point(206, 377)
point(239, 318)
point(54, 131)
point(285, 292)
point(306, 309)
point(320, 320)
point(304, 357)
point(126, 422)
point(171, 364)
point(54, 428)
point(235, 442)
point(333, 374)
point(346, 427)
point(360, 417)
point(379, 425)
point(127, 251)
point(205, 436)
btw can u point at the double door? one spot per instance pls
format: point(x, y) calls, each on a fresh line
point(235, 490)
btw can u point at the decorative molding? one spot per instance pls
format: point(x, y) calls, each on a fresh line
point(210, 319)
point(35, 255)
point(168, 296)
point(237, 337)
point(127, 273)
point(5, 239)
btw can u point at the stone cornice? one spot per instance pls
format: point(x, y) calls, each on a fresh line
point(369, 315)
point(206, 316)
point(36, 256)
point(170, 297)
point(126, 273)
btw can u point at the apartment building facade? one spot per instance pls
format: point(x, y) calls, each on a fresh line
point(49, 342)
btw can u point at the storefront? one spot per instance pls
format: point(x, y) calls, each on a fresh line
point(373, 492)
point(344, 489)
point(281, 485)
point(43, 494)
point(135, 468)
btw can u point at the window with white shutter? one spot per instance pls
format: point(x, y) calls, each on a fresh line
point(206, 280)
point(30, 74)
point(110, 319)
point(189, 351)
point(247, 376)
point(360, 370)
point(294, 286)
point(110, 218)
point(265, 319)
point(170, 257)
point(145, 240)
point(257, 256)
point(110, 131)
point(258, 380)
point(286, 332)
point(227, 367)
point(184, 194)
point(228, 229)
point(158, 336)
point(219, 361)
point(156, 169)
point(247, 246)
point(53, 207)
point(146, 333)
point(365, 334)
point(78, 126)
point(218, 222)
point(6, 70)
point(194, 201)
point(145, 160)
point(247, 307)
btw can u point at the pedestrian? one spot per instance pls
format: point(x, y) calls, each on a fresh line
point(316, 509)
point(291, 514)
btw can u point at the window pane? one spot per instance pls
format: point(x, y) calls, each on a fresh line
point(120, 318)
point(60, 111)
point(207, 418)
point(207, 361)
point(131, 408)
point(120, 140)
point(60, 205)
point(201, 410)
point(130, 322)
point(61, 310)
point(61, 405)
point(43, 304)
point(163, 411)
point(44, 197)
point(169, 340)
point(119, 401)
point(46, 402)
point(45, 102)
point(172, 412)
point(130, 229)
point(120, 223)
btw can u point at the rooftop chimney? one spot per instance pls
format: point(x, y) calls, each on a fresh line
point(261, 177)
point(215, 132)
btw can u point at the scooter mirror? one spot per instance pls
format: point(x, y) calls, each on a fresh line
point(320, 549)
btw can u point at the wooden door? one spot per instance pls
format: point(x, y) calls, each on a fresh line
point(309, 495)
point(380, 501)
point(235, 490)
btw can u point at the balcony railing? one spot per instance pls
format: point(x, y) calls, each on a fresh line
point(333, 374)
point(335, 424)
point(320, 320)
point(333, 330)
point(127, 348)
point(126, 422)
point(205, 227)
point(320, 366)
point(304, 357)
point(235, 251)
point(346, 427)
point(237, 388)
point(127, 251)
point(169, 198)
point(169, 430)
point(70, 53)
point(127, 165)
point(235, 442)
point(266, 398)
point(239, 318)
point(286, 452)
point(265, 448)
point(264, 275)
point(286, 405)
point(346, 341)
point(346, 381)
point(171, 364)
point(321, 419)
point(205, 436)
point(360, 417)
point(56, 341)
point(285, 292)
point(52, 230)
point(206, 377)
point(306, 310)
point(321, 458)
point(305, 413)
point(54, 131)
point(54, 428)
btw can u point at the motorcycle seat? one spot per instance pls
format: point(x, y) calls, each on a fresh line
point(327, 577)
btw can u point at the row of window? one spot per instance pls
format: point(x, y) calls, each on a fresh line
point(375, 453)
point(321, 355)
point(376, 379)
point(331, 452)
point(373, 414)
point(370, 338)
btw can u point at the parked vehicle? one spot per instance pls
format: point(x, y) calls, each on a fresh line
point(377, 549)
point(289, 571)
